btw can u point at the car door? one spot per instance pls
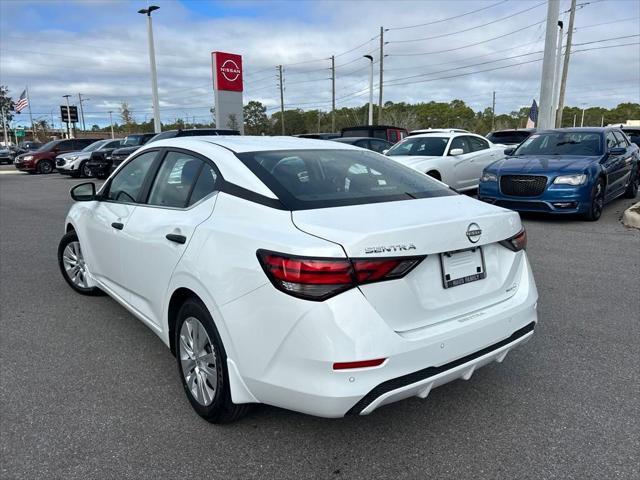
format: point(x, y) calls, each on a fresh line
point(483, 156)
point(615, 166)
point(627, 158)
point(181, 197)
point(104, 228)
point(463, 168)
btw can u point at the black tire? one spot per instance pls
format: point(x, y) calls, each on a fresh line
point(435, 174)
point(84, 171)
point(597, 202)
point(221, 409)
point(632, 188)
point(64, 242)
point(45, 166)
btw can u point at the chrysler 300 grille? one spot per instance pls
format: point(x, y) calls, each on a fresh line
point(523, 185)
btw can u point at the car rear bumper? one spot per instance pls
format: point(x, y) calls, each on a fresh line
point(299, 373)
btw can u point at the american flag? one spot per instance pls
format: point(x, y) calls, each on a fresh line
point(23, 102)
point(533, 115)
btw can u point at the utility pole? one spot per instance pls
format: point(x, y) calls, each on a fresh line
point(545, 113)
point(574, 119)
point(493, 112)
point(152, 62)
point(582, 119)
point(33, 128)
point(69, 134)
point(556, 76)
point(370, 89)
point(281, 98)
point(111, 124)
point(80, 100)
point(565, 67)
point(381, 75)
point(333, 94)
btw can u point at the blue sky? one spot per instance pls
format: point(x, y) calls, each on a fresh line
point(99, 48)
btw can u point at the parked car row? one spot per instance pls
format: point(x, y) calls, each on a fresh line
point(92, 157)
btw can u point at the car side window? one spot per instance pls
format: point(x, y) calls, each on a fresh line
point(362, 143)
point(175, 180)
point(478, 144)
point(114, 144)
point(66, 145)
point(460, 142)
point(622, 142)
point(612, 142)
point(205, 185)
point(127, 185)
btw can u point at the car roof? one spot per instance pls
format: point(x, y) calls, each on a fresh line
point(353, 139)
point(241, 144)
point(446, 134)
point(527, 130)
point(579, 130)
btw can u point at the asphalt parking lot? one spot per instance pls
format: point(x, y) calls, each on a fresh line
point(87, 391)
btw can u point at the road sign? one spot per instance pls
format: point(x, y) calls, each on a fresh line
point(73, 112)
point(20, 133)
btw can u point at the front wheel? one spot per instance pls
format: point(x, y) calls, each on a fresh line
point(72, 265)
point(45, 166)
point(85, 171)
point(202, 365)
point(597, 202)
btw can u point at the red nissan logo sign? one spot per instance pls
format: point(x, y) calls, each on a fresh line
point(227, 71)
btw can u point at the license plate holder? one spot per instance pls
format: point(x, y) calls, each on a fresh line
point(462, 266)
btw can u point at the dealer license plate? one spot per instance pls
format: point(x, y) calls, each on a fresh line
point(462, 266)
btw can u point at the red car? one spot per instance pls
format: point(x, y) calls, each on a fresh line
point(43, 160)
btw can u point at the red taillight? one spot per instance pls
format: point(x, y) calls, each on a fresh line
point(360, 364)
point(321, 278)
point(517, 242)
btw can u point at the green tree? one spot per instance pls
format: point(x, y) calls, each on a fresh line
point(256, 121)
point(6, 104)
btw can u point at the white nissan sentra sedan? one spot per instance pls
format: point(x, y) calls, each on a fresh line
point(314, 276)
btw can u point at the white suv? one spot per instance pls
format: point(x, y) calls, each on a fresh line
point(306, 274)
point(75, 163)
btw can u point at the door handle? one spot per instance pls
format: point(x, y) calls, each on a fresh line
point(117, 225)
point(181, 239)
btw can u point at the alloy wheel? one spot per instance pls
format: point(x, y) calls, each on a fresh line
point(198, 360)
point(74, 265)
point(86, 171)
point(45, 167)
point(598, 201)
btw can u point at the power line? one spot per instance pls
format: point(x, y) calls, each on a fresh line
point(448, 18)
point(468, 45)
point(470, 28)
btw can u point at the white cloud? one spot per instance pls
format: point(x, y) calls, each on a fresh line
point(100, 50)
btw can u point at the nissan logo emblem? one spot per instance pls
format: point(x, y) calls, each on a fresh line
point(230, 70)
point(474, 232)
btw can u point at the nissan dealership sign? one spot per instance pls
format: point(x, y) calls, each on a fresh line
point(227, 86)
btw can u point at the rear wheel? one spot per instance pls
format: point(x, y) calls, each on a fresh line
point(202, 365)
point(632, 188)
point(45, 166)
point(72, 265)
point(597, 202)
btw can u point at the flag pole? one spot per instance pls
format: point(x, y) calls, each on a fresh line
point(33, 130)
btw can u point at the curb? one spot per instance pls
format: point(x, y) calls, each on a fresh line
point(631, 216)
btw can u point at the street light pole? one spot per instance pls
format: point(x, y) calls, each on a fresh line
point(370, 89)
point(69, 135)
point(152, 62)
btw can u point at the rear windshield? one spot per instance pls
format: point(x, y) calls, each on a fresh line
point(511, 138)
point(587, 144)
point(427, 146)
point(95, 145)
point(133, 140)
point(305, 179)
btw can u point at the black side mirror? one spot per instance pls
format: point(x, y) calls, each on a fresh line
point(509, 151)
point(617, 151)
point(85, 192)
